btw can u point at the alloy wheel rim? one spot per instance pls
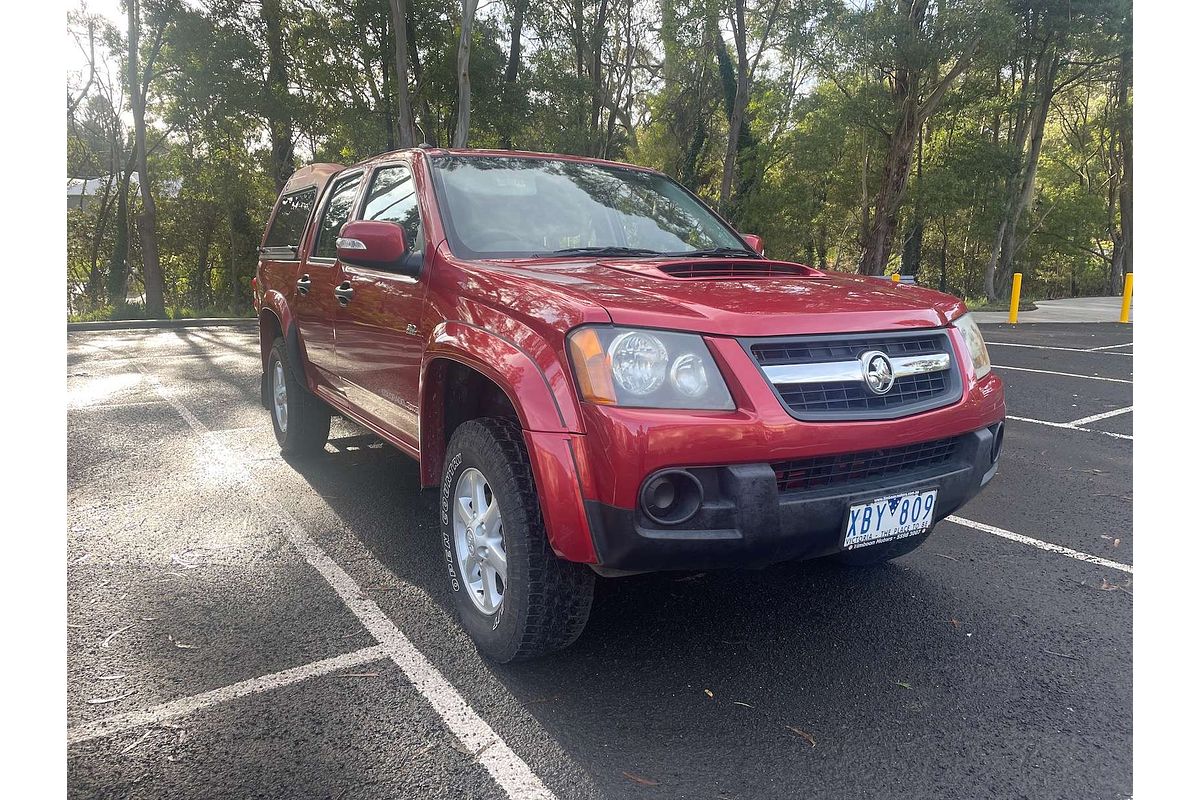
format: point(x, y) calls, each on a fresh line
point(479, 541)
point(279, 396)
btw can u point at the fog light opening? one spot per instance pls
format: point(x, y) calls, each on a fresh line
point(997, 442)
point(672, 497)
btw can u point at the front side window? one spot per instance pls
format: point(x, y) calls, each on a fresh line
point(291, 218)
point(506, 207)
point(337, 213)
point(393, 198)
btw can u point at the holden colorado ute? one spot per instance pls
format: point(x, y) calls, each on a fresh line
point(603, 378)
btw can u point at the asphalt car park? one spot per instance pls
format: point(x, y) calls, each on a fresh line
point(244, 626)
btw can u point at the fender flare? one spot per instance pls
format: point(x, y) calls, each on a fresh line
point(546, 409)
point(273, 303)
point(543, 402)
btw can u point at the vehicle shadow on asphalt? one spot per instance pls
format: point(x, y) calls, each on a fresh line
point(804, 645)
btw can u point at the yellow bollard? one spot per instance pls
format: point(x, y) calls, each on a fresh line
point(1015, 303)
point(895, 277)
point(1127, 297)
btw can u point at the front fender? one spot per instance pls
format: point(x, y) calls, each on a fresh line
point(536, 384)
point(540, 394)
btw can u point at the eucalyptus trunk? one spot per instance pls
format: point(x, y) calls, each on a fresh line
point(152, 275)
point(463, 127)
point(405, 134)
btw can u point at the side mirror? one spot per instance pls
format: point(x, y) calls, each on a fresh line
point(375, 245)
point(755, 242)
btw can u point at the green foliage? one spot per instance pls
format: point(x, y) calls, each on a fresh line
point(822, 108)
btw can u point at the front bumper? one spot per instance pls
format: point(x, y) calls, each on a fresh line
point(746, 521)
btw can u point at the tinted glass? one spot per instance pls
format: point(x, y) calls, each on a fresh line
point(289, 222)
point(502, 206)
point(393, 198)
point(337, 214)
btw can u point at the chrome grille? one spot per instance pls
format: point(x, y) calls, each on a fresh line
point(821, 378)
point(801, 351)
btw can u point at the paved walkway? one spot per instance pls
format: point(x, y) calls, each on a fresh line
point(1076, 309)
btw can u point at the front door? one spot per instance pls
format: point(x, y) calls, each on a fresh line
point(316, 304)
point(379, 336)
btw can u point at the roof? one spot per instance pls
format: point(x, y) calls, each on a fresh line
point(469, 152)
point(311, 175)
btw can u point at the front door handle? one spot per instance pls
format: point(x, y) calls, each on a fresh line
point(344, 292)
point(304, 284)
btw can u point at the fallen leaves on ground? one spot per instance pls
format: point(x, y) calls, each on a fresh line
point(805, 735)
point(708, 692)
point(905, 685)
point(1105, 586)
point(638, 779)
point(111, 636)
point(116, 697)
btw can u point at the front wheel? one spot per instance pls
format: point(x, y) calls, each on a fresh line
point(514, 596)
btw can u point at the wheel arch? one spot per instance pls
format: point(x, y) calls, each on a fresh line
point(275, 320)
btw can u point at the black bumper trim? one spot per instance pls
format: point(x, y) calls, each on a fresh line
point(746, 522)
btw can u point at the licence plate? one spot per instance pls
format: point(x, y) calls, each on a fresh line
point(886, 519)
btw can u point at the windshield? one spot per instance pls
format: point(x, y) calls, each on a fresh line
point(505, 207)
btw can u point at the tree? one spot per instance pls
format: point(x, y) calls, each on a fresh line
point(405, 135)
point(926, 51)
point(464, 73)
point(1122, 235)
point(139, 85)
point(746, 67)
point(279, 118)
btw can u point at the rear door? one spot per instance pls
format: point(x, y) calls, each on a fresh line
point(279, 255)
point(379, 336)
point(316, 306)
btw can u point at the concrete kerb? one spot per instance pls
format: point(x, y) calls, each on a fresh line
point(139, 324)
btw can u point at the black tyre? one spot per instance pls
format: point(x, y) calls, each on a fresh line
point(301, 421)
point(514, 596)
point(880, 553)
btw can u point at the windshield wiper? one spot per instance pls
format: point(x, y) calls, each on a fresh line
point(717, 252)
point(604, 251)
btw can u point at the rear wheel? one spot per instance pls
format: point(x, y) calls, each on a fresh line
point(300, 419)
point(514, 596)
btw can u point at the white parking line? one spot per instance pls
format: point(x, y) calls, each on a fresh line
point(1064, 374)
point(1099, 350)
point(1103, 415)
point(1111, 347)
point(513, 775)
point(1070, 427)
point(187, 705)
point(1038, 543)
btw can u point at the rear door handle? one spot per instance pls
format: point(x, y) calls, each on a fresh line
point(304, 284)
point(344, 292)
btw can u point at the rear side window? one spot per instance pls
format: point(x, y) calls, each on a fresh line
point(291, 218)
point(393, 198)
point(336, 214)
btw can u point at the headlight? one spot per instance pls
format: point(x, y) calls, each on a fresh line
point(975, 345)
point(648, 369)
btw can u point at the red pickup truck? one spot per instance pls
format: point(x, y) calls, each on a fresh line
point(604, 378)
